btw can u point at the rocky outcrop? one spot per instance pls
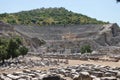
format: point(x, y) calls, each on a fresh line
point(108, 34)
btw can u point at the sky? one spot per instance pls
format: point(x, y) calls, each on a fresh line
point(105, 10)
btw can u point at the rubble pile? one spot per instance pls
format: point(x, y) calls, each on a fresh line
point(26, 63)
point(77, 72)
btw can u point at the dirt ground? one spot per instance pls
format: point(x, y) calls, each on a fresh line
point(104, 63)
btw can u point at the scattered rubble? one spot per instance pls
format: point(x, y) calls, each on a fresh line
point(27, 62)
point(77, 72)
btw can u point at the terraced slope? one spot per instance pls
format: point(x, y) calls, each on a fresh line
point(56, 33)
point(72, 36)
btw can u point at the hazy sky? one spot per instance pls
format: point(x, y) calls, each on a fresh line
point(106, 10)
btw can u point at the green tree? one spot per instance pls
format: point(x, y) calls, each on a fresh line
point(3, 49)
point(3, 54)
point(86, 49)
point(23, 50)
point(12, 47)
point(18, 40)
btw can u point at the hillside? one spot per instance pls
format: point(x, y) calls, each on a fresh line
point(105, 38)
point(48, 16)
point(73, 36)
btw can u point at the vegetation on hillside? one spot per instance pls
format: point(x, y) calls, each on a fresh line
point(48, 16)
point(11, 48)
point(86, 49)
